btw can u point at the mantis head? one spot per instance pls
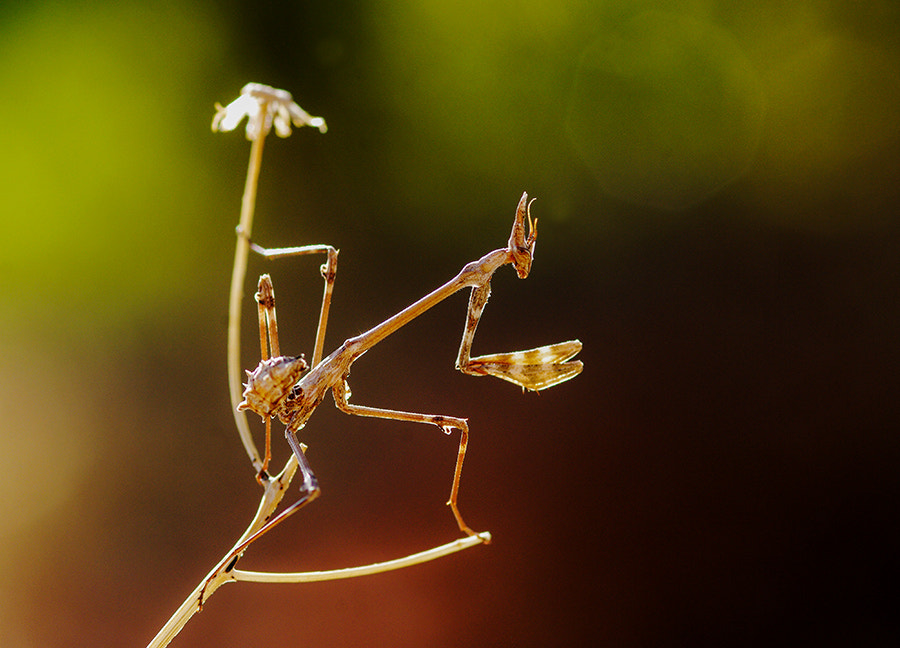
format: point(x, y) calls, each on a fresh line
point(521, 249)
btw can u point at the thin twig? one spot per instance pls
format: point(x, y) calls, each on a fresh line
point(222, 573)
point(365, 570)
point(238, 276)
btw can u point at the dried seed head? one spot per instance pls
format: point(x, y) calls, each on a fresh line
point(264, 106)
point(270, 383)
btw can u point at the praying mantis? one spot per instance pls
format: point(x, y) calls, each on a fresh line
point(290, 389)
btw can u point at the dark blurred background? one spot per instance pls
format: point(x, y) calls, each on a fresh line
point(717, 187)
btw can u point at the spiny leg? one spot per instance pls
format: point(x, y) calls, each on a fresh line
point(477, 301)
point(532, 369)
point(328, 270)
point(309, 490)
point(310, 486)
point(268, 348)
point(341, 393)
point(268, 323)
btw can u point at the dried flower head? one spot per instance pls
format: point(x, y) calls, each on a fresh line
point(264, 106)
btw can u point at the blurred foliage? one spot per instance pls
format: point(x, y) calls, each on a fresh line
point(665, 110)
point(104, 180)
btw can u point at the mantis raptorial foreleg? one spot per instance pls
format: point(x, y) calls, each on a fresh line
point(533, 369)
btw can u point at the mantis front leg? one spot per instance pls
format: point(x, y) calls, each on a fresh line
point(532, 369)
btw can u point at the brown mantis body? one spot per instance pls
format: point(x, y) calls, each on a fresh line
point(279, 387)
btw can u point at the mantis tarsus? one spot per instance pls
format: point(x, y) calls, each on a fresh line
point(278, 387)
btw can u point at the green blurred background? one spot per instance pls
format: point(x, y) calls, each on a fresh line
point(717, 186)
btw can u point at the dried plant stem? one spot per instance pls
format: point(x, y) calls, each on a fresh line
point(223, 571)
point(365, 570)
point(238, 276)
